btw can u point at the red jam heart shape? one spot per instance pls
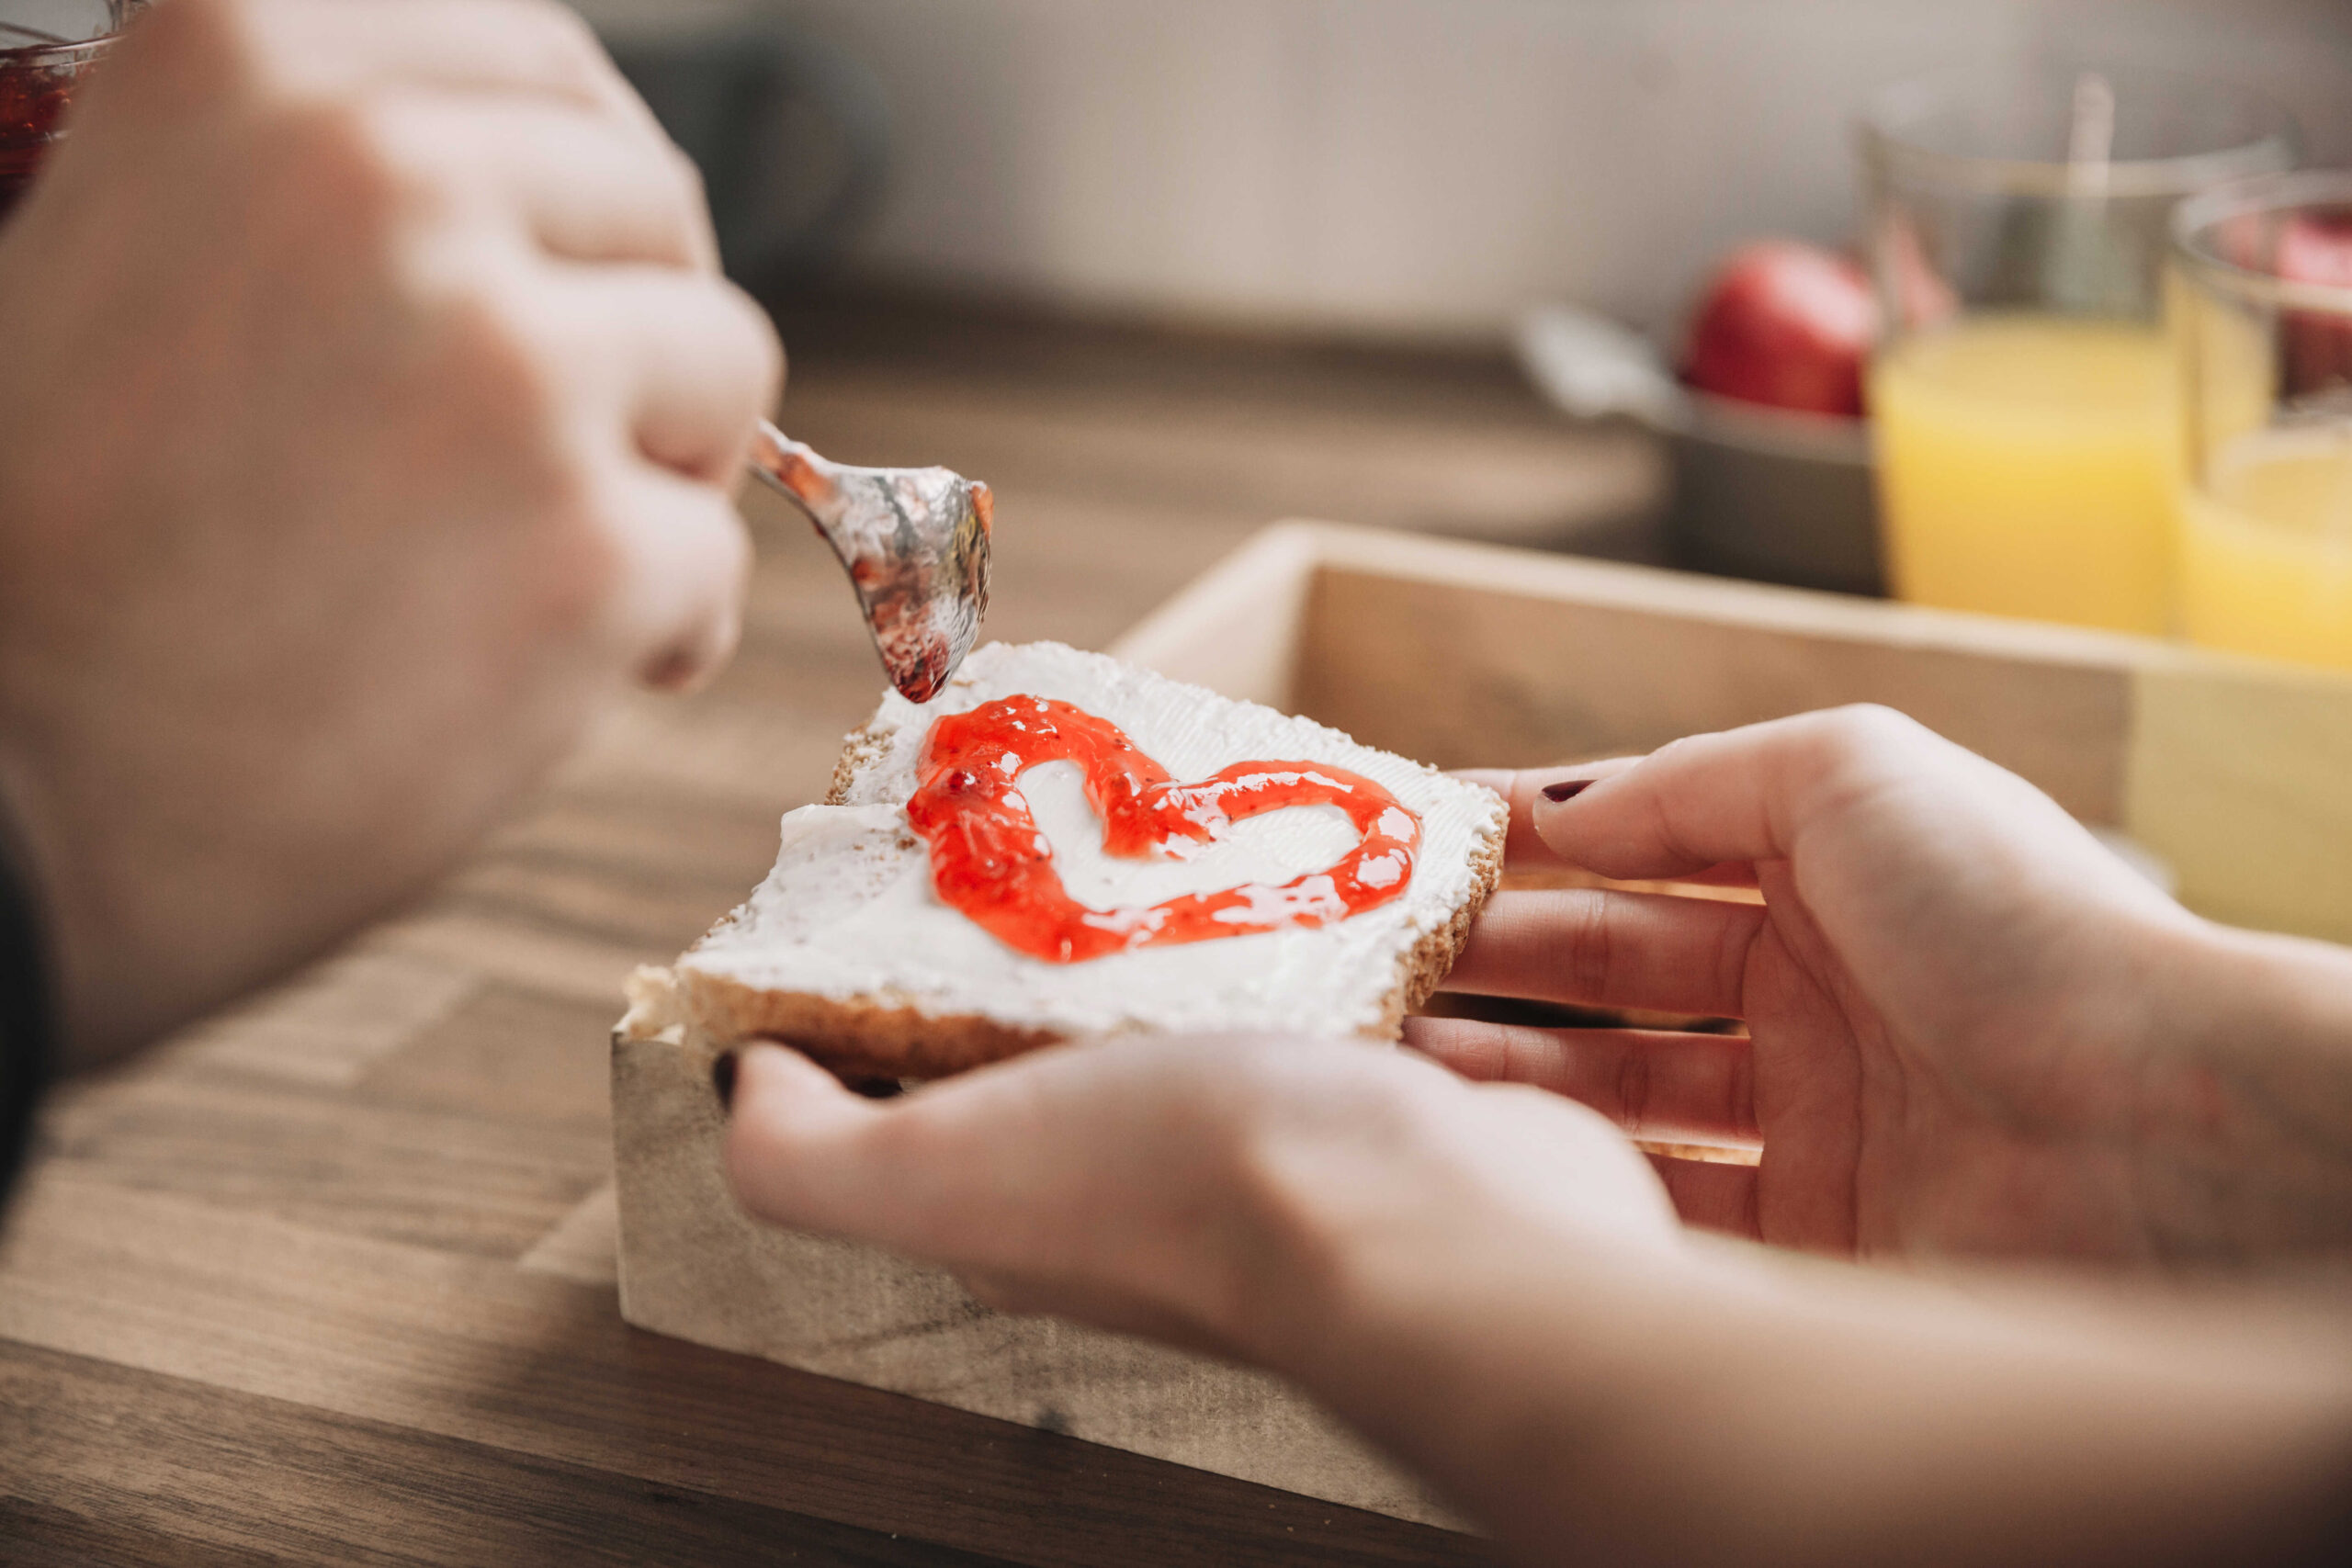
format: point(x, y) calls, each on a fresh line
point(989, 860)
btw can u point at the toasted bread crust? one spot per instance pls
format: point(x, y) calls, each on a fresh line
point(1424, 967)
point(859, 751)
point(856, 1039)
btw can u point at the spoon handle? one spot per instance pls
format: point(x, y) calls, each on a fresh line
point(798, 473)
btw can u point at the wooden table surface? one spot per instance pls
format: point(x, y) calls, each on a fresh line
point(330, 1279)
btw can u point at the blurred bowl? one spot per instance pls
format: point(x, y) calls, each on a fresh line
point(1773, 496)
point(1758, 492)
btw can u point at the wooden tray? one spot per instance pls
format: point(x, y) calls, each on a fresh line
point(2235, 773)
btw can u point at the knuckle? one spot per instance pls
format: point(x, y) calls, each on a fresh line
point(214, 47)
point(1681, 746)
point(1476, 1054)
point(1864, 751)
point(1740, 1114)
point(699, 546)
point(1588, 938)
point(1846, 749)
point(1633, 1081)
point(565, 41)
point(1735, 943)
point(693, 193)
point(222, 25)
point(355, 163)
point(735, 551)
point(580, 579)
point(497, 368)
point(689, 205)
point(1875, 757)
point(569, 31)
point(500, 349)
point(1867, 729)
point(750, 325)
point(577, 560)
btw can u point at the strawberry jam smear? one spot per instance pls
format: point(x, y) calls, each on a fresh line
point(989, 860)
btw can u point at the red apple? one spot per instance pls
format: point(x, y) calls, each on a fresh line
point(1786, 324)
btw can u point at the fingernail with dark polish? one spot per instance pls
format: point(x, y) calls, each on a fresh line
point(1569, 790)
point(722, 1078)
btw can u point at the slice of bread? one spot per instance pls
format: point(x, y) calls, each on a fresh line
point(847, 952)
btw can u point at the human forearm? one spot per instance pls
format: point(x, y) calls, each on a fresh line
point(1721, 1407)
point(2241, 1119)
point(1489, 1283)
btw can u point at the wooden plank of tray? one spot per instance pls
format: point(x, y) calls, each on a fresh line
point(1459, 654)
point(2237, 773)
point(694, 1266)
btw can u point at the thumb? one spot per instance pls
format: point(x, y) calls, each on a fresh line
point(796, 1140)
point(1742, 796)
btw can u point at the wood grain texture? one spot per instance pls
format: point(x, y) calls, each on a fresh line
point(319, 1282)
point(693, 1264)
point(288, 1483)
point(2230, 771)
point(1493, 677)
point(481, 1352)
point(2241, 779)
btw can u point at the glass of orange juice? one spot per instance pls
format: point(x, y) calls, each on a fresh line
point(2261, 310)
point(2021, 398)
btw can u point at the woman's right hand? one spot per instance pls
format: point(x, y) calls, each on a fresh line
point(1971, 1028)
point(1973, 1031)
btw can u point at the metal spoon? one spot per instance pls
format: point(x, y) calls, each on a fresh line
point(915, 543)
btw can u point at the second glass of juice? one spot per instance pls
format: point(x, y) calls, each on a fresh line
point(2261, 308)
point(2022, 403)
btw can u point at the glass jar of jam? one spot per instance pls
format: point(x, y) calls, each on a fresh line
point(46, 47)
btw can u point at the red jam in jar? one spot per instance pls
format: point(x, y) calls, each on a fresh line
point(47, 47)
point(989, 860)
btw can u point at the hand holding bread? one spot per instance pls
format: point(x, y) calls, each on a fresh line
point(1230, 1193)
point(1971, 1030)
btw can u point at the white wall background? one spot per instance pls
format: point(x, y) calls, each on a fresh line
point(1427, 166)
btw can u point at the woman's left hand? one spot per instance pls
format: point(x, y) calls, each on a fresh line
point(1230, 1194)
